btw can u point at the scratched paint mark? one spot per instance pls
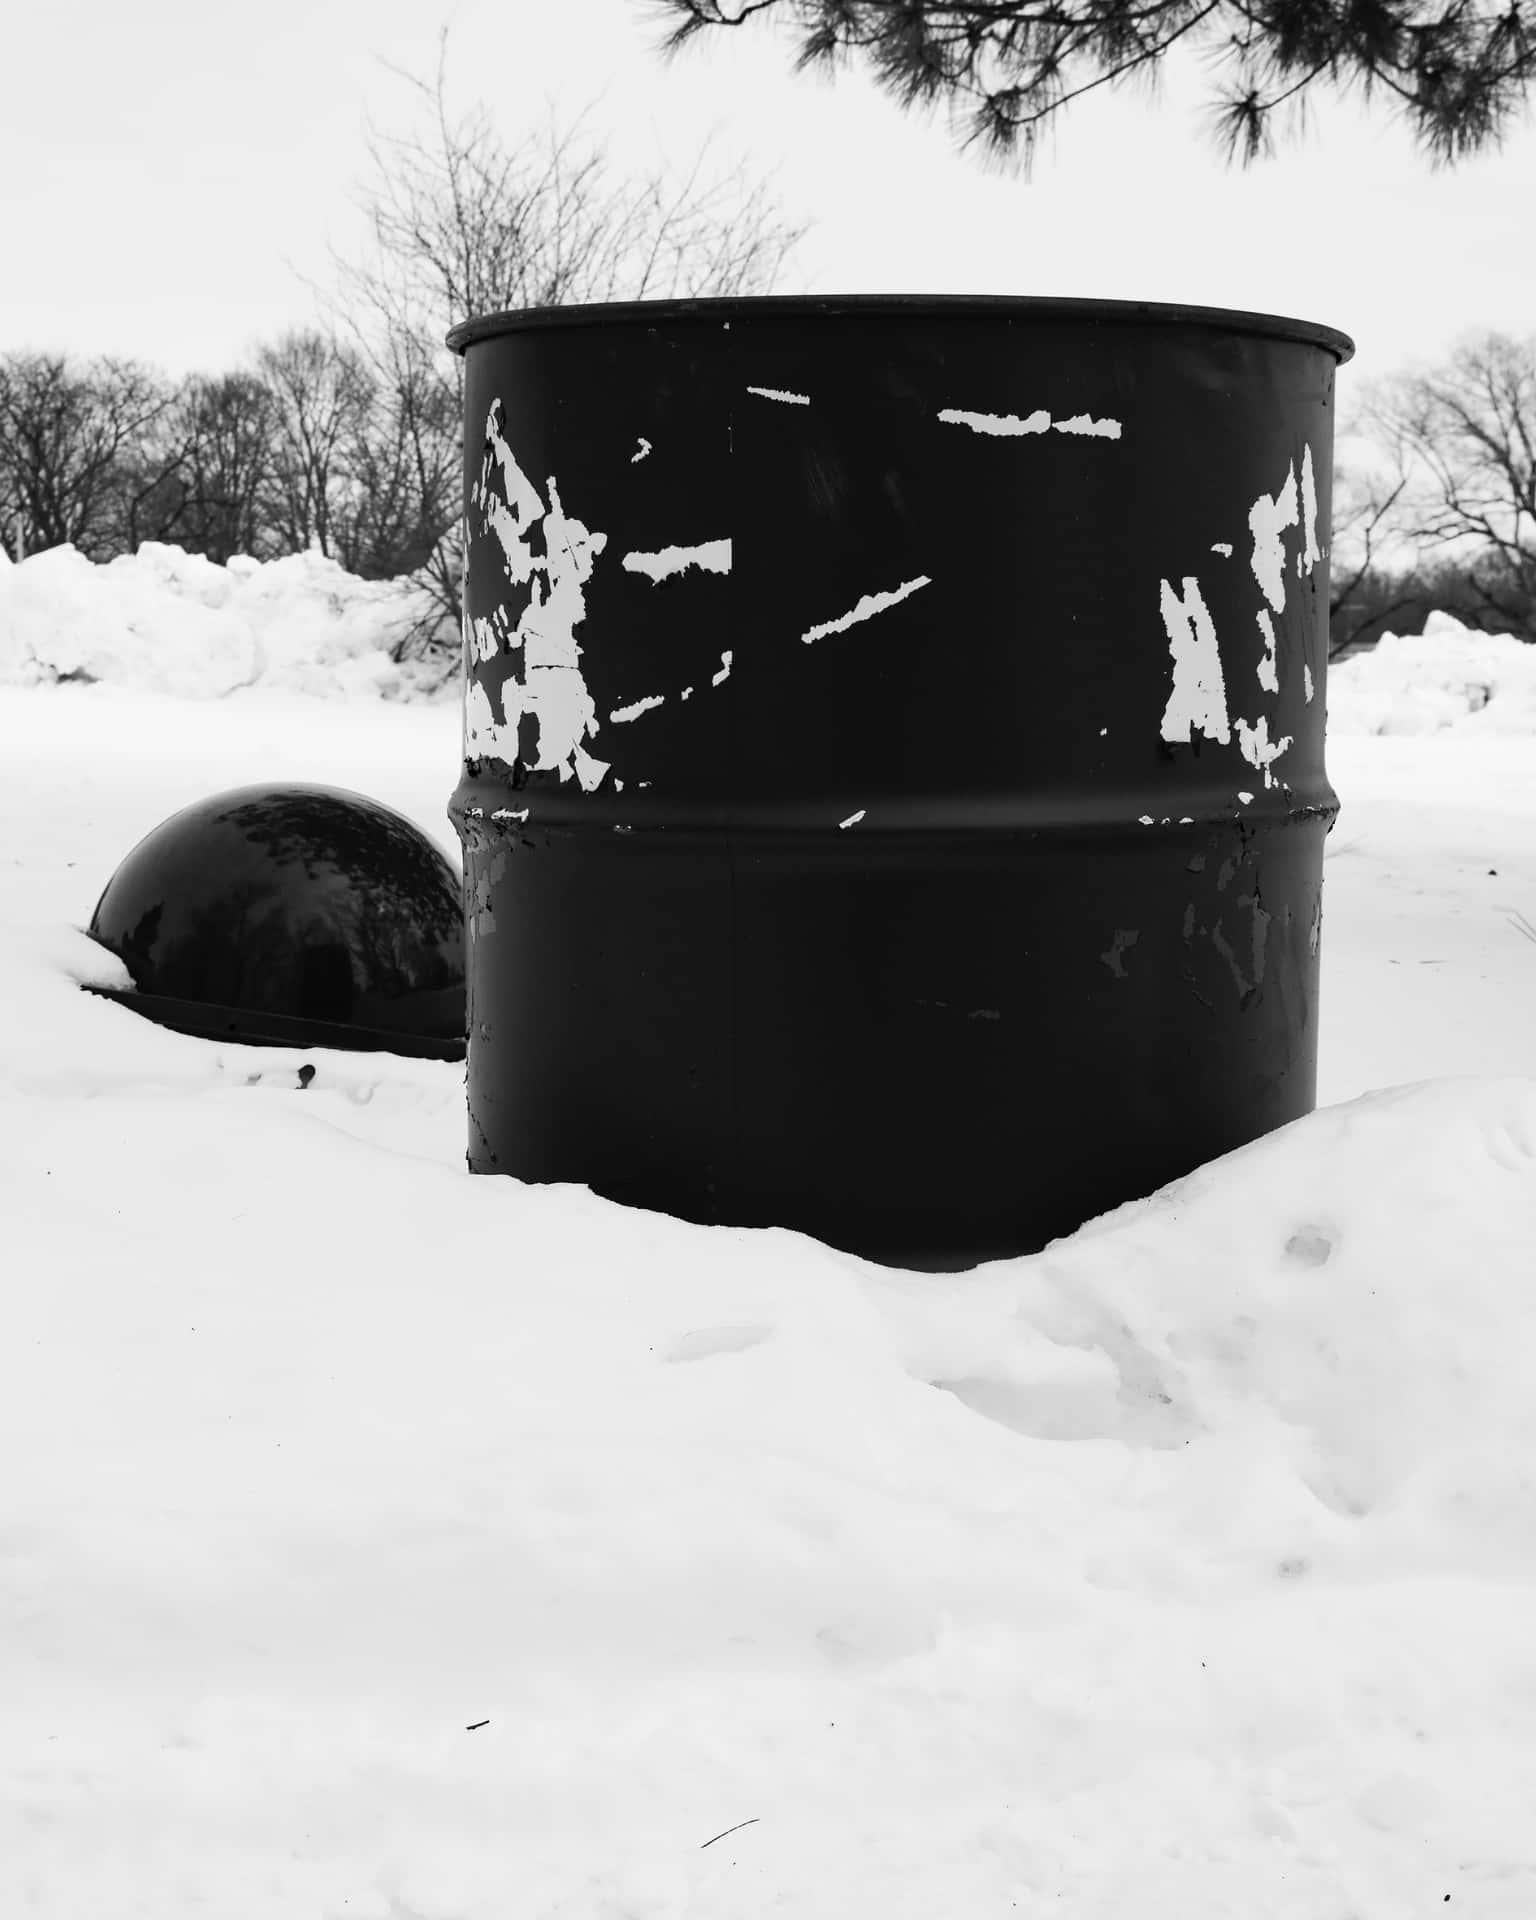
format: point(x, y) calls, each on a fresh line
point(644, 446)
point(1306, 681)
point(777, 393)
point(1269, 676)
point(1311, 552)
point(1268, 518)
point(868, 606)
point(552, 690)
point(1198, 698)
point(1223, 547)
point(1259, 932)
point(1014, 425)
point(724, 674)
point(510, 813)
point(621, 715)
point(853, 818)
point(1084, 424)
point(713, 556)
point(997, 423)
point(1125, 938)
point(1258, 749)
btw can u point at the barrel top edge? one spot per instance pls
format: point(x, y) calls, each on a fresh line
point(1021, 307)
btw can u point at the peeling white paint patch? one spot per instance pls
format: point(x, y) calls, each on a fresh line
point(1269, 675)
point(1246, 798)
point(1311, 553)
point(1103, 733)
point(714, 556)
point(1186, 819)
point(725, 670)
point(869, 605)
point(552, 689)
point(482, 733)
point(1146, 820)
point(1082, 423)
point(687, 693)
point(644, 446)
point(775, 393)
point(510, 813)
point(622, 714)
point(997, 423)
point(853, 818)
point(1040, 421)
point(484, 641)
point(1199, 695)
point(1258, 749)
point(1306, 681)
point(1223, 547)
point(1267, 520)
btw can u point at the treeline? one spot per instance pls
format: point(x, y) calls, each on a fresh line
point(1479, 592)
point(315, 444)
point(307, 447)
point(346, 437)
point(1435, 499)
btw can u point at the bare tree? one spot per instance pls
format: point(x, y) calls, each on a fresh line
point(1361, 592)
point(1464, 436)
point(462, 221)
point(404, 464)
point(322, 396)
point(68, 437)
point(1457, 69)
point(224, 430)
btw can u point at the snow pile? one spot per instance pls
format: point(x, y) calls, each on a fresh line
point(383, 1542)
point(166, 621)
point(1446, 677)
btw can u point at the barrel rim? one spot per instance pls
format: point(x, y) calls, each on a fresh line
point(1023, 307)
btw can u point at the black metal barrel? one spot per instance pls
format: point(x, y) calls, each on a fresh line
point(893, 800)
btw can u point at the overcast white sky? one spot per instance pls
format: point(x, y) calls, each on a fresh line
point(170, 172)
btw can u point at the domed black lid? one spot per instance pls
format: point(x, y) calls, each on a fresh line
point(292, 916)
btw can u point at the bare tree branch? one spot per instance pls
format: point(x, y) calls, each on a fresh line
point(461, 221)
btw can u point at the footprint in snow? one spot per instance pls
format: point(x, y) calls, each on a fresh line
point(702, 1343)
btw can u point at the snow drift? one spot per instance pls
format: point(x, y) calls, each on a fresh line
point(164, 621)
point(1445, 678)
point(378, 1543)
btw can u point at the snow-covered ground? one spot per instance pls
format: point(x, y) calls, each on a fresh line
point(378, 1543)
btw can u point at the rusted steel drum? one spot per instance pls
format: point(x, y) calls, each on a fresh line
point(893, 800)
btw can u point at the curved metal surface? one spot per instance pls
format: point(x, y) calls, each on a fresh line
point(292, 915)
point(948, 307)
point(894, 795)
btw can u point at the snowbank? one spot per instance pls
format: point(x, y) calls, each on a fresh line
point(378, 1541)
point(164, 621)
point(1447, 677)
